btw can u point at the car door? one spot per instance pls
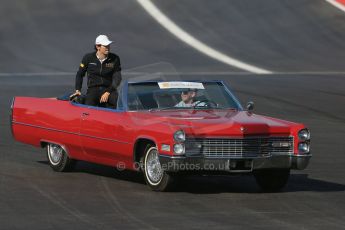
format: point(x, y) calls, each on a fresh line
point(102, 136)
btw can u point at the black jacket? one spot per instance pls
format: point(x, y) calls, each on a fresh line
point(107, 74)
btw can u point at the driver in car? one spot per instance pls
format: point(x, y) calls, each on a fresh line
point(187, 99)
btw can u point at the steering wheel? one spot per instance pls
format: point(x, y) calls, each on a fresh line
point(207, 104)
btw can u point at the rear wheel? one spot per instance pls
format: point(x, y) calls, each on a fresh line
point(58, 158)
point(155, 176)
point(272, 180)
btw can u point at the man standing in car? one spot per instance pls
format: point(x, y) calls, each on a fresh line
point(104, 75)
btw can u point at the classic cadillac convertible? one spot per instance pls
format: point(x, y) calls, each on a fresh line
point(150, 131)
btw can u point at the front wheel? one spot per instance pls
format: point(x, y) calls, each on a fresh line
point(155, 176)
point(58, 158)
point(272, 180)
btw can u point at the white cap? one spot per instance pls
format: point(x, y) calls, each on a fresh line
point(103, 40)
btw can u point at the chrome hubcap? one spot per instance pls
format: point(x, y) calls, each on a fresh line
point(153, 167)
point(55, 153)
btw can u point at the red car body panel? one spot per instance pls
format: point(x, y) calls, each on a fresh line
point(108, 136)
point(153, 132)
point(38, 120)
point(220, 123)
point(97, 135)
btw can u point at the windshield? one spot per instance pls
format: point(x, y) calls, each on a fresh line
point(179, 95)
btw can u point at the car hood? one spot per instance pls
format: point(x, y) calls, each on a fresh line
point(219, 122)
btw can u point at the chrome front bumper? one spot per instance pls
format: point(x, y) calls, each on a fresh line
point(177, 163)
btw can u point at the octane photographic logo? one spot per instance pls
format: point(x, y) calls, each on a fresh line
point(121, 166)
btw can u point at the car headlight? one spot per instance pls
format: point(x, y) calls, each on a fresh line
point(179, 136)
point(304, 135)
point(179, 149)
point(303, 147)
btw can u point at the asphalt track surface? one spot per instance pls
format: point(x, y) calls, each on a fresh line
point(302, 40)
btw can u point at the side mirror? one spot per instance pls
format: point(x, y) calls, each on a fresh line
point(250, 106)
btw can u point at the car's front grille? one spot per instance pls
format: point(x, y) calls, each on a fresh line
point(245, 147)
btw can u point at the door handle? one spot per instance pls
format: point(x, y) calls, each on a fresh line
point(85, 114)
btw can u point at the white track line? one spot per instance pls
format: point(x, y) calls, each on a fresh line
point(337, 4)
point(195, 43)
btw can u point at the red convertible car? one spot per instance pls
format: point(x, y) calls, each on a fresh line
point(165, 129)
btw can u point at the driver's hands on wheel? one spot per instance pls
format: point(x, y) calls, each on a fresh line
point(205, 103)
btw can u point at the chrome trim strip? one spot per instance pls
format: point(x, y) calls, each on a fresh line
point(218, 158)
point(287, 161)
point(246, 147)
point(172, 157)
point(62, 131)
point(237, 137)
point(225, 158)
